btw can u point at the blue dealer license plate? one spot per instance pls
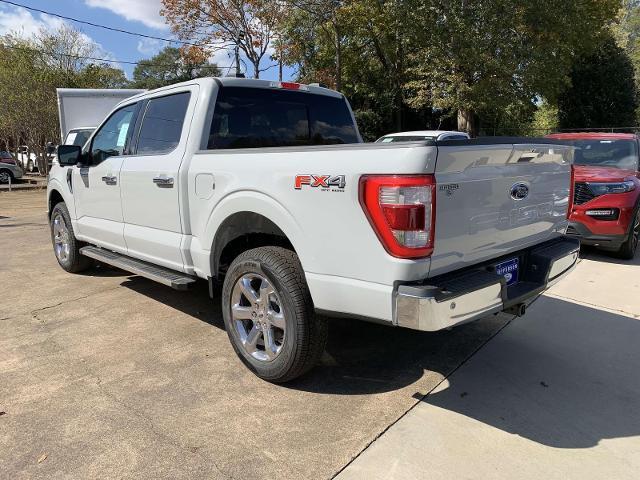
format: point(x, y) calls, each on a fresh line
point(509, 270)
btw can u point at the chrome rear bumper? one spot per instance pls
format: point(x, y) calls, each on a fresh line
point(462, 297)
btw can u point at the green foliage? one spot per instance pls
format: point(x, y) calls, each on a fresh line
point(170, 66)
point(102, 76)
point(412, 60)
point(30, 72)
point(545, 120)
point(480, 60)
point(603, 91)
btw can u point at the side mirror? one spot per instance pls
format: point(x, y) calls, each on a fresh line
point(69, 155)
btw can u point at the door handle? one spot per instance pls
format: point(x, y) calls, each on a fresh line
point(110, 180)
point(163, 181)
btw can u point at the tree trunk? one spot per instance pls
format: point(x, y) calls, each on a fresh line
point(467, 122)
point(338, 59)
point(398, 109)
point(256, 69)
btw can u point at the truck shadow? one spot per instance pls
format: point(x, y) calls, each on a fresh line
point(360, 358)
point(565, 376)
point(592, 253)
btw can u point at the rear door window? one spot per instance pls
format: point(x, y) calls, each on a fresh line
point(162, 124)
point(260, 117)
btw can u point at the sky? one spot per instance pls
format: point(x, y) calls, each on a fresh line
point(142, 16)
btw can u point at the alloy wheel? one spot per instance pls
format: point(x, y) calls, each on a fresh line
point(61, 238)
point(258, 317)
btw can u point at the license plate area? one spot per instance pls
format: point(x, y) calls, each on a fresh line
point(510, 270)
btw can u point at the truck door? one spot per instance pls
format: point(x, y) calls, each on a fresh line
point(150, 183)
point(96, 186)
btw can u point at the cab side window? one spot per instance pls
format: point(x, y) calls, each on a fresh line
point(111, 139)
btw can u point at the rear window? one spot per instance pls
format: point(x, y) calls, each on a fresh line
point(259, 117)
point(621, 153)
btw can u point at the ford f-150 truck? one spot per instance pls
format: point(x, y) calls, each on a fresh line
point(266, 188)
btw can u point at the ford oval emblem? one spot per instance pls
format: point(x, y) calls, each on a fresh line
point(520, 191)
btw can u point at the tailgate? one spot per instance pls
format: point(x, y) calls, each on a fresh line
point(494, 199)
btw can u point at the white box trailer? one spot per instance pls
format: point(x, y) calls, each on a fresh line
point(85, 108)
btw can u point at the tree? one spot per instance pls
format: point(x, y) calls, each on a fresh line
point(219, 24)
point(408, 64)
point(102, 76)
point(472, 60)
point(30, 72)
point(603, 92)
point(170, 66)
point(357, 47)
point(325, 16)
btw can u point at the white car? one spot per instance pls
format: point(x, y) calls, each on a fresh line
point(27, 159)
point(421, 135)
point(266, 188)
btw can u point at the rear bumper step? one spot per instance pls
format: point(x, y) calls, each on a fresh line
point(171, 278)
point(450, 300)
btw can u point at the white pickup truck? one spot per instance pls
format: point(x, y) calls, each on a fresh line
point(266, 187)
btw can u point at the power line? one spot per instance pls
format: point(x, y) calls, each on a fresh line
point(105, 60)
point(113, 29)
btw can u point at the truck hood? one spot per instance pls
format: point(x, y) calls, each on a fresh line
point(584, 173)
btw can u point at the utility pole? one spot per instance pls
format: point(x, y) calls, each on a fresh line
point(239, 38)
point(237, 60)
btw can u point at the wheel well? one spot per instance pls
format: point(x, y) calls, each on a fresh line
point(240, 232)
point(54, 199)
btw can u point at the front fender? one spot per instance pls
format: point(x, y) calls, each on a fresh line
point(55, 185)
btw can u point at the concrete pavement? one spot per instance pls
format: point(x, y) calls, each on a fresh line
point(108, 375)
point(553, 395)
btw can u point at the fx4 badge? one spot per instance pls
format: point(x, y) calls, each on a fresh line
point(334, 183)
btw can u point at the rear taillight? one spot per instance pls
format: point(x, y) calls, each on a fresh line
point(401, 210)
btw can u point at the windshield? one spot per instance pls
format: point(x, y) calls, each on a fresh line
point(607, 153)
point(5, 154)
point(78, 137)
point(405, 138)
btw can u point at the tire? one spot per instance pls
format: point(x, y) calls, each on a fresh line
point(6, 175)
point(65, 246)
point(630, 246)
point(269, 316)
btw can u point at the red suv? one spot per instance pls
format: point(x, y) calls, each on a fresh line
point(606, 190)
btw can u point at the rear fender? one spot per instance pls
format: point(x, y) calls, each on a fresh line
point(252, 202)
